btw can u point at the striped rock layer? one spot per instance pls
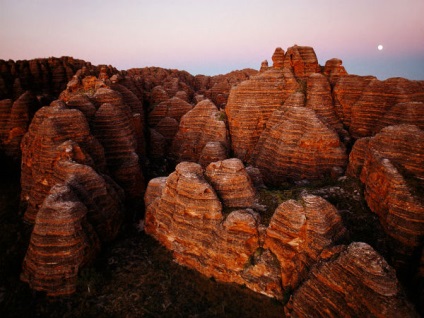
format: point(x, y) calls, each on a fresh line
point(203, 124)
point(298, 146)
point(392, 171)
point(185, 213)
point(352, 281)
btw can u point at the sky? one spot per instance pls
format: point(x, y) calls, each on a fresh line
point(217, 36)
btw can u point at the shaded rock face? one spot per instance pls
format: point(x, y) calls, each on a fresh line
point(184, 213)
point(43, 76)
point(252, 103)
point(351, 281)
point(201, 125)
point(80, 209)
point(390, 165)
point(14, 123)
point(366, 104)
point(298, 146)
point(61, 242)
point(164, 121)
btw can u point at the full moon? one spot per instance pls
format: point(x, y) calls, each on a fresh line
point(380, 47)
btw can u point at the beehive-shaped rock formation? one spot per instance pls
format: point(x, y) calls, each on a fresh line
point(203, 124)
point(302, 60)
point(61, 242)
point(393, 175)
point(231, 182)
point(252, 103)
point(299, 146)
point(299, 231)
point(353, 281)
point(51, 126)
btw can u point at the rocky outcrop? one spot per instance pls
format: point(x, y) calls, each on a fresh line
point(393, 175)
point(362, 102)
point(203, 124)
point(61, 243)
point(51, 126)
point(299, 146)
point(185, 213)
point(16, 125)
point(43, 76)
point(346, 92)
point(211, 152)
point(319, 98)
point(297, 234)
point(231, 182)
point(112, 127)
point(252, 103)
point(278, 58)
point(302, 61)
point(353, 281)
point(411, 113)
point(333, 69)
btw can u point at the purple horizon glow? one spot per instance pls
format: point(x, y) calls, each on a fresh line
point(213, 37)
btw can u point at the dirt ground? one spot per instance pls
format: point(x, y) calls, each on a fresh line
point(132, 277)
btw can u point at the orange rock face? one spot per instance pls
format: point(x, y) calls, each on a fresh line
point(299, 232)
point(252, 103)
point(366, 104)
point(203, 124)
point(299, 146)
point(302, 60)
point(393, 175)
point(51, 126)
point(184, 213)
point(353, 281)
point(231, 182)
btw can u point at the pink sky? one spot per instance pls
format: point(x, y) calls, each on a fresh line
point(212, 37)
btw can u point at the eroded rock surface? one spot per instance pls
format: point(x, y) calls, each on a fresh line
point(353, 281)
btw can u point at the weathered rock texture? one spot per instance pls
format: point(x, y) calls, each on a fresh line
point(366, 104)
point(302, 60)
point(297, 234)
point(333, 69)
point(298, 146)
point(390, 165)
point(203, 124)
point(14, 123)
point(252, 103)
point(184, 213)
point(66, 194)
point(231, 182)
point(353, 281)
point(51, 126)
point(43, 76)
point(62, 242)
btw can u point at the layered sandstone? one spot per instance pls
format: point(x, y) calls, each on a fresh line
point(185, 213)
point(353, 281)
point(377, 98)
point(203, 124)
point(231, 182)
point(346, 92)
point(298, 146)
point(393, 175)
point(302, 60)
point(297, 234)
point(112, 127)
point(252, 103)
point(51, 126)
point(15, 123)
point(61, 243)
point(319, 99)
